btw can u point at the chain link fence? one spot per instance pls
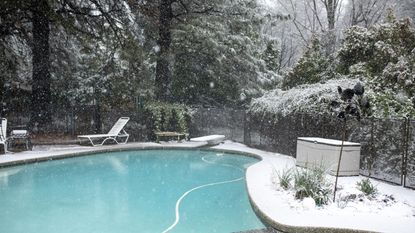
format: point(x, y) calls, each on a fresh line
point(387, 145)
point(84, 120)
point(228, 122)
point(410, 159)
point(383, 148)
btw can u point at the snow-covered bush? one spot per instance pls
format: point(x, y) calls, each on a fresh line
point(377, 46)
point(391, 104)
point(367, 187)
point(313, 98)
point(381, 57)
point(384, 56)
point(304, 183)
point(312, 183)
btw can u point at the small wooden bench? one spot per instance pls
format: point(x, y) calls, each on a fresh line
point(20, 137)
point(168, 135)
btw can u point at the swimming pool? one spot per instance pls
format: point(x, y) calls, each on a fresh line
point(130, 191)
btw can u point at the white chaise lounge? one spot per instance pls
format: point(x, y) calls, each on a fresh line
point(117, 131)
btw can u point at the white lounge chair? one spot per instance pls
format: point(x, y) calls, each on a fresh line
point(3, 133)
point(117, 131)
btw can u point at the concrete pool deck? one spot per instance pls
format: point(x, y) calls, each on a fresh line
point(49, 152)
point(278, 213)
point(274, 211)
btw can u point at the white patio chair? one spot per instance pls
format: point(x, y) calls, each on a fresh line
point(3, 133)
point(117, 131)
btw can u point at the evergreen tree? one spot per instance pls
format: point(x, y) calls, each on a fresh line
point(166, 15)
point(196, 38)
point(312, 67)
point(41, 15)
point(271, 56)
point(218, 60)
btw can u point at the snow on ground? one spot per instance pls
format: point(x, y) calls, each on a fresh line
point(393, 209)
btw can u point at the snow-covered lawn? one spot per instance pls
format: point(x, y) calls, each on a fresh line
point(392, 210)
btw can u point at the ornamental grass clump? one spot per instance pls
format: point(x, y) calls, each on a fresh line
point(367, 187)
point(312, 183)
point(285, 179)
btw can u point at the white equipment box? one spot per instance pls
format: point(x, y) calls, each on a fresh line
point(315, 152)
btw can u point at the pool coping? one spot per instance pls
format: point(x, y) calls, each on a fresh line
point(256, 201)
point(21, 158)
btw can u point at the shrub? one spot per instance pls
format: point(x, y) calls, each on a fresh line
point(384, 56)
point(285, 178)
point(166, 116)
point(312, 183)
point(367, 187)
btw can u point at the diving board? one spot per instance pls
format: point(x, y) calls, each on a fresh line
point(210, 139)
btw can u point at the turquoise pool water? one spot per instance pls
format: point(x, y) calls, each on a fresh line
point(133, 191)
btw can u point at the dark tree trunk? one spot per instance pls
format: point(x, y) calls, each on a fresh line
point(40, 112)
point(331, 7)
point(163, 67)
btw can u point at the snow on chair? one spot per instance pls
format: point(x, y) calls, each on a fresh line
point(117, 131)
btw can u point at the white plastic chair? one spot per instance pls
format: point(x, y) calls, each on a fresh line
point(117, 131)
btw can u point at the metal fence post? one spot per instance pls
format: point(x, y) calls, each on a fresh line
point(372, 147)
point(405, 154)
point(247, 129)
point(72, 120)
